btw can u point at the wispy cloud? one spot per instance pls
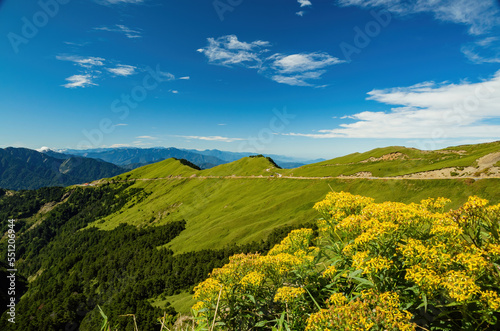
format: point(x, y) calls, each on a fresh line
point(486, 50)
point(121, 124)
point(147, 137)
point(213, 138)
point(425, 110)
point(129, 33)
point(297, 69)
point(300, 13)
point(293, 69)
point(91, 69)
point(304, 3)
point(122, 70)
point(85, 62)
point(79, 81)
point(480, 16)
point(185, 78)
point(228, 50)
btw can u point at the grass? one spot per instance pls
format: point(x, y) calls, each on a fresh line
point(414, 161)
point(224, 209)
point(182, 302)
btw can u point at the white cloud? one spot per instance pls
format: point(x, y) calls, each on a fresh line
point(147, 137)
point(123, 70)
point(212, 138)
point(119, 145)
point(427, 111)
point(174, 91)
point(302, 62)
point(296, 69)
point(129, 33)
point(185, 78)
point(486, 50)
point(304, 3)
point(293, 69)
point(480, 16)
point(228, 50)
point(79, 81)
point(300, 13)
point(298, 79)
point(85, 62)
point(121, 124)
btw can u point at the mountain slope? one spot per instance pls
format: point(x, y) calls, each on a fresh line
point(398, 161)
point(135, 157)
point(166, 225)
point(22, 168)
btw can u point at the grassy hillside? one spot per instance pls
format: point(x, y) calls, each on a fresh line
point(247, 166)
point(396, 161)
point(182, 222)
point(224, 211)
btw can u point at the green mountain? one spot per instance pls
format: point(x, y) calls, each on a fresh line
point(397, 161)
point(137, 243)
point(22, 169)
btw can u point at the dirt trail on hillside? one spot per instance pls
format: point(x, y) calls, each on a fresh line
point(485, 169)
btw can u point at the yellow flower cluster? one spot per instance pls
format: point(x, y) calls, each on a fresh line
point(287, 294)
point(361, 260)
point(426, 278)
point(336, 299)
point(460, 286)
point(330, 272)
point(371, 311)
point(453, 256)
point(434, 205)
point(250, 273)
point(492, 299)
point(341, 204)
point(252, 279)
point(434, 247)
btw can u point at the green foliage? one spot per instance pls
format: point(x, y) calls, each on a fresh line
point(24, 204)
point(376, 266)
point(72, 269)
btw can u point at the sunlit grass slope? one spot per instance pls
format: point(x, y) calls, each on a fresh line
point(396, 161)
point(247, 166)
point(224, 211)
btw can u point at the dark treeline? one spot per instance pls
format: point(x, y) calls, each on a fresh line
point(74, 270)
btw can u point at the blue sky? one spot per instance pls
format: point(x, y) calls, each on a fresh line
point(300, 78)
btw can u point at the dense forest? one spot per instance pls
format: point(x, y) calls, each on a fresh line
point(72, 270)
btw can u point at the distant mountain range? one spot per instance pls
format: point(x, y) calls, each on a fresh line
point(22, 169)
point(131, 158)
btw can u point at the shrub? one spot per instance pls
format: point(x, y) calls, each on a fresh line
point(374, 266)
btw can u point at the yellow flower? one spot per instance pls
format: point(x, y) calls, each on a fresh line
point(288, 294)
point(492, 299)
point(253, 279)
point(460, 287)
point(337, 299)
point(330, 272)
